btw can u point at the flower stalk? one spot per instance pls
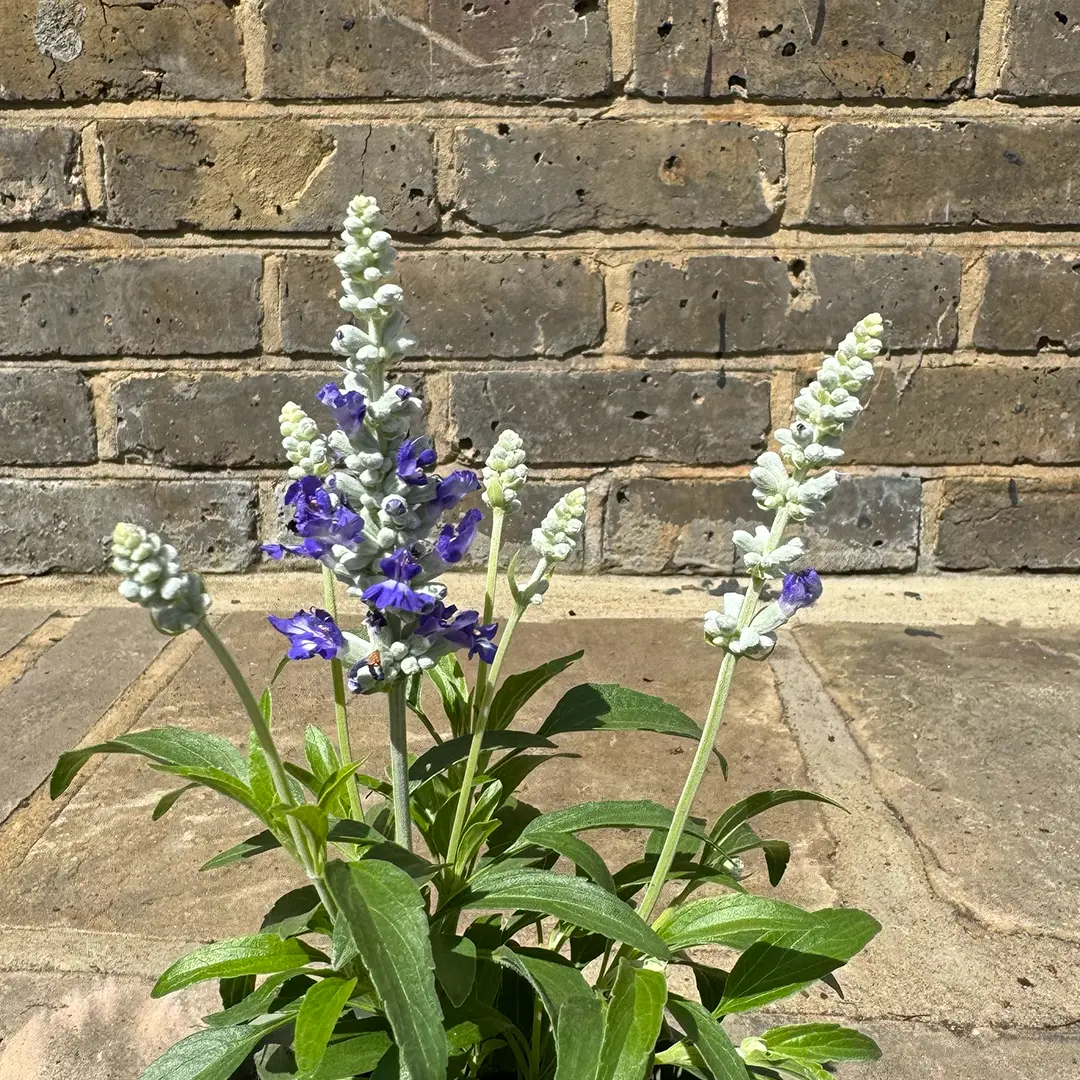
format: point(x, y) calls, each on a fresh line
point(341, 714)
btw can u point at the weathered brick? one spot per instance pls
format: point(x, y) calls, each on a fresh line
point(914, 49)
point(293, 175)
point(570, 418)
point(723, 304)
point(667, 526)
point(45, 417)
point(441, 48)
point(616, 174)
point(537, 498)
point(213, 420)
point(40, 176)
point(1041, 50)
point(955, 173)
point(68, 51)
point(64, 525)
point(460, 304)
point(970, 415)
point(133, 305)
point(1030, 301)
point(1002, 524)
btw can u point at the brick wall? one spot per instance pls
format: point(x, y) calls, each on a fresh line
point(628, 231)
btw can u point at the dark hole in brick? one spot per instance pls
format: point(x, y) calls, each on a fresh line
point(721, 380)
point(796, 267)
point(416, 193)
point(646, 378)
point(640, 414)
point(683, 302)
point(580, 192)
point(1014, 497)
point(1061, 18)
point(621, 496)
point(1043, 343)
point(464, 444)
point(276, 47)
point(503, 129)
point(347, 24)
point(948, 36)
point(843, 44)
point(736, 80)
point(1013, 158)
point(788, 49)
point(278, 210)
point(877, 543)
point(696, 398)
point(664, 28)
point(909, 56)
point(765, 32)
point(147, 7)
point(583, 7)
point(1024, 982)
point(494, 425)
point(716, 294)
point(537, 157)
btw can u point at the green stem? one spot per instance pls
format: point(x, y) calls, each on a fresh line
point(480, 726)
point(341, 717)
point(302, 839)
point(708, 735)
point(399, 765)
point(498, 515)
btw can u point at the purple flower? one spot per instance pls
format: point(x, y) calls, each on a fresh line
point(453, 488)
point(347, 407)
point(413, 458)
point(310, 633)
point(400, 568)
point(315, 516)
point(403, 392)
point(800, 590)
point(460, 628)
point(452, 543)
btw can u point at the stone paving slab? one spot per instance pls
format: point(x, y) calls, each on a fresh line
point(61, 697)
point(18, 623)
point(951, 745)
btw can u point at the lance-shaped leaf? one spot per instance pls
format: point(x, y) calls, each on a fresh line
point(173, 746)
point(741, 812)
point(518, 688)
point(253, 954)
point(609, 707)
point(704, 1033)
point(737, 921)
point(821, 1043)
point(315, 1022)
point(455, 965)
point(579, 1038)
point(212, 1054)
point(554, 979)
point(439, 758)
point(253, 845)
point(572, 899)
point(388, 919)
point(608, 814)
point(582, 855)
point(632, 1022)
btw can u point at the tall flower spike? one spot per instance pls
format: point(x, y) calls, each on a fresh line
point(154, 579)
point(505, 472)
point(559, 531)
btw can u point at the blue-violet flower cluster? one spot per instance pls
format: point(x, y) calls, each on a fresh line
point(366, 499)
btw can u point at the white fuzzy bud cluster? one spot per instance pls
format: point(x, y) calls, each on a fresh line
point(366, 265)
point(829, 405)
point(722, 630)
point(559, 531)
point(154, 579)
point(759, 559)
point(505, 473)
point(303, 444)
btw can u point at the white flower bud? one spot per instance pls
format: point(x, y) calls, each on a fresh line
point(557, 535)
point(505, 472)
point(154, 579)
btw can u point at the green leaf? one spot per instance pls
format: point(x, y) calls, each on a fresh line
point(254, 954)
point(632, 1023)
point(320, 752)
point(784, 962)
point(318, 1016)
point(347, 831)
point(416, 866)
point(220, 781)
point(168, 800)
point(292, 913)
point(609, 707)
point(259, 778)
point(742, 811)
point(554, 979)
point(777, 857)
point(579, 1037)
point(607, 814)
point(315, 820)
point(704, 1033)
point(253, 845)
point(352, 1057)
point(582, 855)
point(455, 965)
point(388, 919)
point(450, 681)
point(736, 920)
point(685, 1057)
point(821, 1043)
point(212, 1054)
point(439, 758)
point(572, 899)
point(167, 746)
point(333, 795)
point(634, 875)
point(255, 1004)
point(517, 689)
point(511, 771)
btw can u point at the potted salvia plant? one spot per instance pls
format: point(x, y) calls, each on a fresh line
point(439, 934)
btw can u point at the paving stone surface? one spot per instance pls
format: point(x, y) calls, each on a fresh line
point(16, 623)
point(952, 746)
